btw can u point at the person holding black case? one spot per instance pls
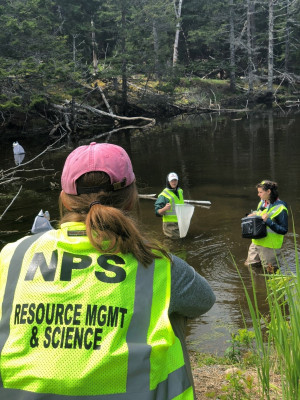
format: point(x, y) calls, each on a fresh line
point(264, 252)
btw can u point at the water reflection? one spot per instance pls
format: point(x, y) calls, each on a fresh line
point(219, 159)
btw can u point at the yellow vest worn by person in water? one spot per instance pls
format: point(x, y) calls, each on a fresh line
point(170, 216)
point(77, 323)
point(273, 240)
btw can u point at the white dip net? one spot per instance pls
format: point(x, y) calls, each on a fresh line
point(184, 214)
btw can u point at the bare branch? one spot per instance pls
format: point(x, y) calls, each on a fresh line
point(103, 113)
point(104, 99)
point(116, 130)
point(11, 203)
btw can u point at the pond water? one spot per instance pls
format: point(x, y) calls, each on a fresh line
point(218, 158)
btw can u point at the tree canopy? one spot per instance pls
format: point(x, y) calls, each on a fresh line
point(50, 49)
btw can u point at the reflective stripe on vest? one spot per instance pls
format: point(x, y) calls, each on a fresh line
point(10, 288)
point(151, 354)
point(170, 216)
point(273, 240)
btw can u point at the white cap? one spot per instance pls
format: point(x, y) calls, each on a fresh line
point(172, 176)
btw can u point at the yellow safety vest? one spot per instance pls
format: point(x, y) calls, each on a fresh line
point(273, 240)
point(170, 215)
point(75, 322)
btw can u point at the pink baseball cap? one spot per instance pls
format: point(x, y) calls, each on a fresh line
point(106, 157)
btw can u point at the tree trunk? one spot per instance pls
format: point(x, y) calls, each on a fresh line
point(271, 144)
point(178, 27)
point(94, 46)
point(156, 50)
point(60, 28)
point(74, 51)
point(253, 33)
point(73, 116)
point(287, 37)
point(232, 47)
point(271, 46)
point(124, 60)
point(249, 47)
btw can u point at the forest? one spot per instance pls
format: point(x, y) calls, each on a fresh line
point(70, 64)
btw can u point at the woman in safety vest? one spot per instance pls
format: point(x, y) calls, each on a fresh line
point(94, 310)
point(165, 205)
point(265, 252)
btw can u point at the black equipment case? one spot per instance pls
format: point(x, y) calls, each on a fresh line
point(253, 227)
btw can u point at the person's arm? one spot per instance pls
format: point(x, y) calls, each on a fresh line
point(161, 206)
point(191, 294)
point(260, 207)
point(279, 224)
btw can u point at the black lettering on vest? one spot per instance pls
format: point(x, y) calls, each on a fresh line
point(30, 319)
point(23, 313)
point(69, 338)
point(72, 338)
point(47, 340)
point(123, 311)
point(62, 337)
point(78, 338)
point(50, 317)
point(120, 274)
point(39, 261)
point(59, 314)
point(113, 313)
point(40, 313)
point(88, 345)
point(69, 262)
point(101, 319)
point(55, 343)
point(77, 314)
point(90, 318)
point(69, 307)
point(97, 338)
point(17, 314)
point(92, 314)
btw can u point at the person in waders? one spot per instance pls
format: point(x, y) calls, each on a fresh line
point(165, 205)
point(95, 309)
point(265, 252)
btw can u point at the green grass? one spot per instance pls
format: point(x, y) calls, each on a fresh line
point(204, 359)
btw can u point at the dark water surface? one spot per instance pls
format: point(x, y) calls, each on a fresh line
point(219, 159)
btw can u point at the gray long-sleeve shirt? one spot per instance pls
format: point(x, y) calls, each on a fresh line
point(191, 295)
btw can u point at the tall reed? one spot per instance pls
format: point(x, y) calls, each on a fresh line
point(281, 347)
point(284, 327)
point(263, 346)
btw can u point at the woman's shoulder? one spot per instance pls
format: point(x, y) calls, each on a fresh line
point(280, 202)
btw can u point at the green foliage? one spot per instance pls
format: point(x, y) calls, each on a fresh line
point(77, 92)
point(241, 347)
point(239, 386)
point(48, 43)
point(211, 359)
point(10, 105)
point(37, 101)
